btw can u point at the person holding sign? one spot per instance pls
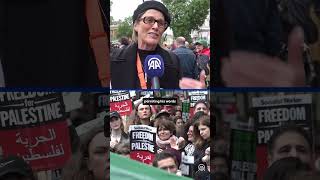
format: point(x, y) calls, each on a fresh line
point(147, 64)
point(141, 116)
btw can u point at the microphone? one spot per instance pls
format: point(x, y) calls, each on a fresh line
point(154, 68)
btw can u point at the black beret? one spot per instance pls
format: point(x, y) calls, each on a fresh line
point(152, 5)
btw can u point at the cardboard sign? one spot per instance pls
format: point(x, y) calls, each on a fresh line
point(271, 112)
point(44, 147)
point(187, 164)
point(102, 101)
point(121, 102)
point(25, 109)
point(196, 98)
point(35, 127)
point(143, 143)
point(185, 110)
point(243, 149)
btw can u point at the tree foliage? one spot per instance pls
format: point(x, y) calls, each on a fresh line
point(187, 15)
point(125, 28)
point(111, 18)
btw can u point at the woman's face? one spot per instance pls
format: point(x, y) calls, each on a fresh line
point(204, 131)
point(179, 122)
point(201, 107)
point(99, 157)
point(115, 123)
point(164, 134)
point(190, 134)
point(149, 34)
point(290, 144)
point(144, 111)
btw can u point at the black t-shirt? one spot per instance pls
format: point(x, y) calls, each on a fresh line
point(46, 44)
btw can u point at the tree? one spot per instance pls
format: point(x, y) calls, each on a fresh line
point(125, 28)
point(187, 15)
point(111, 18)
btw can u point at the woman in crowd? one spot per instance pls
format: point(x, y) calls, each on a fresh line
point(166, 136)
point(202, 140)
point(150, 20)
point(179, 126)
point(188, 150)
point(117, 129)
point(178, 113)
point(196, 116)
point(189, 136)
point(92, 160)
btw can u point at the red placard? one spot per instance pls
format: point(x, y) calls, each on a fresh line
point(262, 162)
point(45, 147)
point(122, 107)
point(142, 156)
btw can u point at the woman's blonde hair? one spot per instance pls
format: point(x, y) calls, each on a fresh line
point(134, 36)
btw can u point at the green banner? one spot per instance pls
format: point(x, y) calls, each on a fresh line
point(123, 168)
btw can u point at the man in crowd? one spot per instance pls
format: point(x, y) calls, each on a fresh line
point(290, 141)
point(166, 161)
point(202, 47)
point(187, 59)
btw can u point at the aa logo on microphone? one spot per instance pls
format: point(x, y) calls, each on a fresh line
point(154, 63)
point(154, 66)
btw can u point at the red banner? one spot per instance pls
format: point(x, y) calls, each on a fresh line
point(142, 156)
point(123, 107)
point(262, 162)
point(45, 147)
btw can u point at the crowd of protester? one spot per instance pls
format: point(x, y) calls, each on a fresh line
point(290, 154)
point(175, 136)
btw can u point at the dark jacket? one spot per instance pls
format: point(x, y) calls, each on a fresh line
point(187, 62)
point(46, 44)
point(124, 69)
point(199, 153)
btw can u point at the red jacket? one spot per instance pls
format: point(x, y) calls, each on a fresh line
point(205, 51)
